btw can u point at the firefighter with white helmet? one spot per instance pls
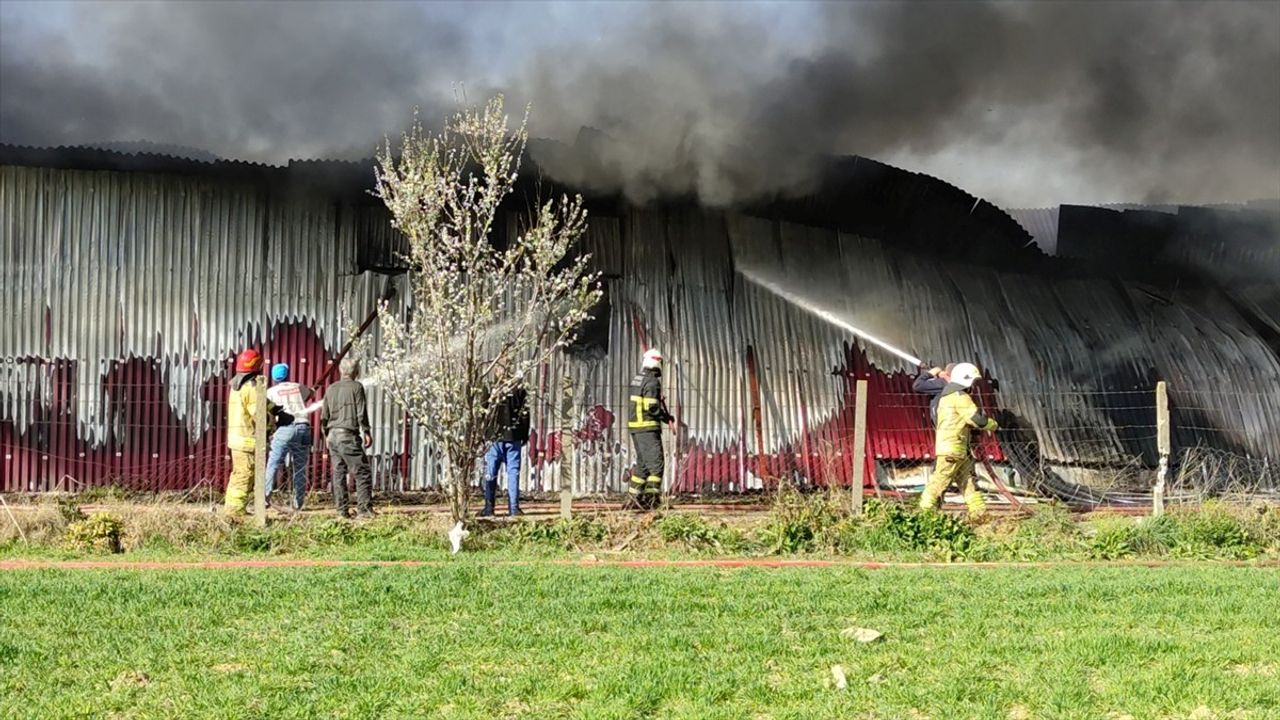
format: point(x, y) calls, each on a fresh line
point(645, 420)
point(957, 416)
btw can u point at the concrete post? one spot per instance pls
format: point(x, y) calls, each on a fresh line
point(859, 443)
point(1163, 444)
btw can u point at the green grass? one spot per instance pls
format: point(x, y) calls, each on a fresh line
point(471, 639)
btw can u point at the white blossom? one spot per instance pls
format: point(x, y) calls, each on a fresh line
point(474, 308)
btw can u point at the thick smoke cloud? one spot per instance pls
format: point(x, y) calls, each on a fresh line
point(1025, 104)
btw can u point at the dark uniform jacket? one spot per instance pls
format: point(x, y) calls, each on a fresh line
point(932, 386)
point(511, 418)
point(648, 409)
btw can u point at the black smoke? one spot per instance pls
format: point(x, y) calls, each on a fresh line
point(1026, 104)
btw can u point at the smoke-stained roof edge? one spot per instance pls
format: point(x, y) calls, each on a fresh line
point(853, 194)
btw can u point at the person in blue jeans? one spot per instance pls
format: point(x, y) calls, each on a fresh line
point(511, 432)
point(293, 436)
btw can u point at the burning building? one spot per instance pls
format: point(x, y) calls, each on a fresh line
point(130, 281)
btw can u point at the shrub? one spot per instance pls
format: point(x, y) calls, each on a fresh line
point(39, 525)
point(252, 539)
point(1263, 523)
point(563, 533)
point(331, 531)
point(798, 522)
point(69, 508)
point(174, 527)
point(930, 531)
point(1111, 538)
point(1212, 532)
point(695, 532)
point(100, 532)
point(1048, 531)
point(1153, 535)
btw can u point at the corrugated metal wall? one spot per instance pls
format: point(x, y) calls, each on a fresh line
point(126, 295)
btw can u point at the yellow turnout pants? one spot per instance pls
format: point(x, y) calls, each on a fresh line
point(953, 471)
point(240, 484)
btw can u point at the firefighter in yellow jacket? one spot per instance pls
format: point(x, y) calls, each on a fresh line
point(241, 426)
point(958, 416)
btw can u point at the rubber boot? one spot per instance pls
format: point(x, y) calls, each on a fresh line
point(635, 486)
point(929, 499)
point(652, 492)
point(976, 504)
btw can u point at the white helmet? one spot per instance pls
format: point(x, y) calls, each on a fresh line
point(963, 374)
point(652, 359)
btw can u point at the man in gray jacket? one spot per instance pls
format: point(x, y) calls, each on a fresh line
point(345, 423)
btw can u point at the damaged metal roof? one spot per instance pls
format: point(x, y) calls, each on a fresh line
point(126, 277)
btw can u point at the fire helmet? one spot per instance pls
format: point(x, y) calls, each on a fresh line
point(249, 360)
point(279, 372)
point(964, 374)
point(652, 359)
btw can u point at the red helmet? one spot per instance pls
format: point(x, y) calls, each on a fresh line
point(248, 361)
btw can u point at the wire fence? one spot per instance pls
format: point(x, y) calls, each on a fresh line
point(1090, 448)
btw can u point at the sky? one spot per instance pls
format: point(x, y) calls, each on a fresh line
point(1026, 105)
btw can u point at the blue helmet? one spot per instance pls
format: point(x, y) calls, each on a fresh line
point(279, 372)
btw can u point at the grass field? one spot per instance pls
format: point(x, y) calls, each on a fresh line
point(475, 639)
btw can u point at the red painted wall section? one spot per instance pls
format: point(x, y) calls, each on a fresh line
point(148, 447)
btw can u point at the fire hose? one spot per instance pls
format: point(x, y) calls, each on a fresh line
point(915, 361)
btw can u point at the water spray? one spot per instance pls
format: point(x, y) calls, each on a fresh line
point(829, 317)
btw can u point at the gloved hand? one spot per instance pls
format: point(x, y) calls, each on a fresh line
point(991, 425)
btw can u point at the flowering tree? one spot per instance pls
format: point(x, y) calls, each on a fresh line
point(481, 317)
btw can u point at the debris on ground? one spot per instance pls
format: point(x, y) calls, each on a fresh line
point(862, 635)
point(837, 674)
point(130, 678)
point(456, 535)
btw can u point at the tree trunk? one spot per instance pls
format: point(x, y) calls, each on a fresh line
point(459, 481)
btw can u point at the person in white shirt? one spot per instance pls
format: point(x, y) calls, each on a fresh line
point(293, 436)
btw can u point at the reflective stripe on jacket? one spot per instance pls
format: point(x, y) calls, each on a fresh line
point(958, 414)
point(648, 411)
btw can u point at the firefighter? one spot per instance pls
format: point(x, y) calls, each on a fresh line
point(645, 421)
point(242, 404)
point(958, 415)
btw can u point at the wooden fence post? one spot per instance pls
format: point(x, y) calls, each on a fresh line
point(566, 447)
point(1163, 445)
point(260, 454)
point(757, 423)
point(859, 443)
